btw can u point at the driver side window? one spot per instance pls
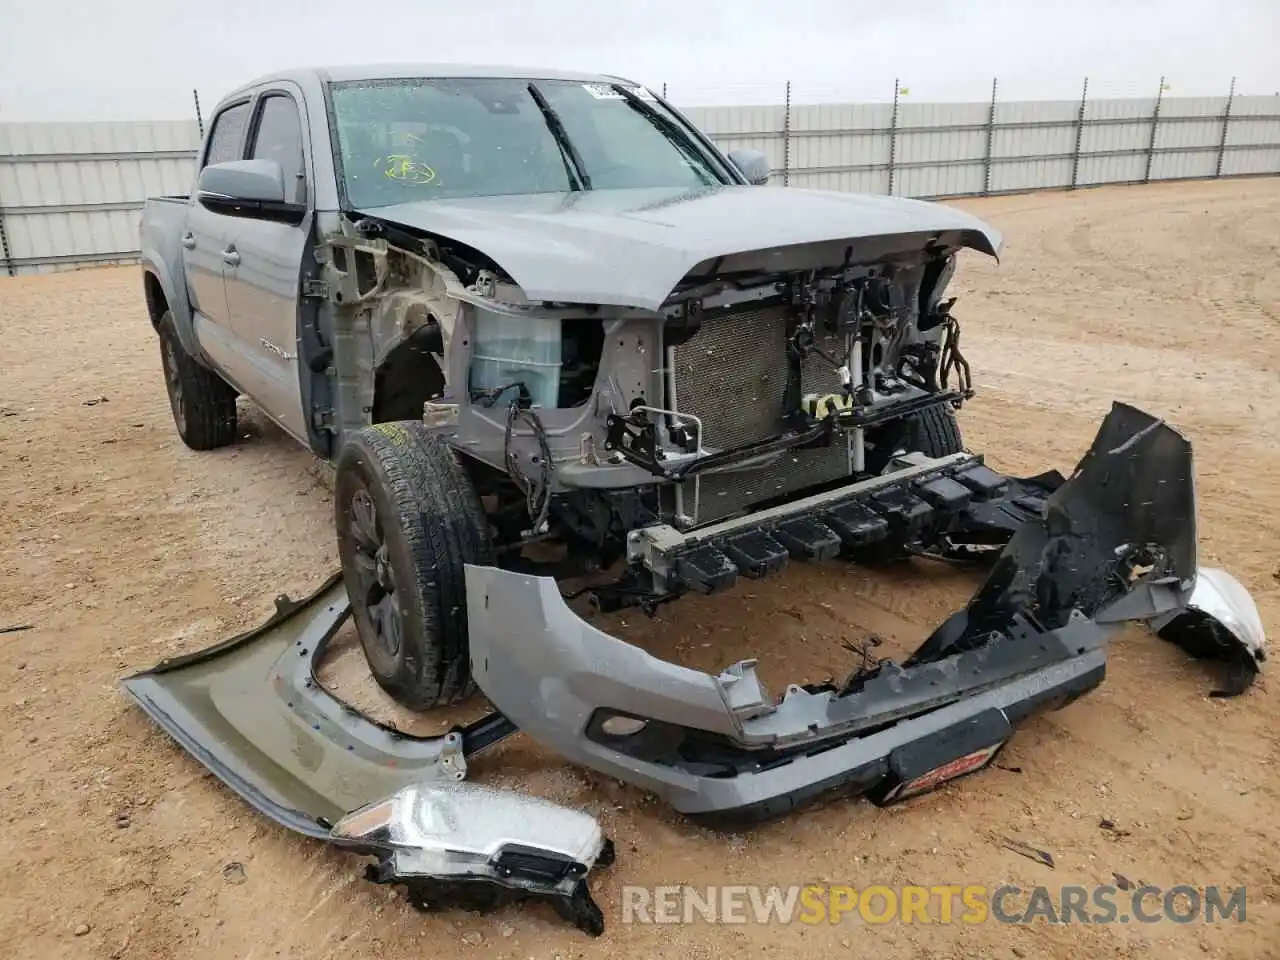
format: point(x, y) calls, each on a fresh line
point(278, 137)
point(227, 136)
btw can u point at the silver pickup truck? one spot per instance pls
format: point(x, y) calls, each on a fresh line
point(546, 330)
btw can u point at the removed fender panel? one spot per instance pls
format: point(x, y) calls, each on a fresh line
point(251, 710)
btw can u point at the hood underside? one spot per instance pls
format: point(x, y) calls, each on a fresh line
point(631, 247)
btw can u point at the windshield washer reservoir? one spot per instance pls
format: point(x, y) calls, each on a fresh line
point(514, 349)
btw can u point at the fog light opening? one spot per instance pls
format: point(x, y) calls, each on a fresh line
point(620, 726)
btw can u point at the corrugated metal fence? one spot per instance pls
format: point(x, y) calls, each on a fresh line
point(71, 194)
point(937, 150)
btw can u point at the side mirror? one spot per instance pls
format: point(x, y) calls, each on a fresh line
point(247, 188)
point(753, 165)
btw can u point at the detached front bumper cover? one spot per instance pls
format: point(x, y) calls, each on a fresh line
point(1115, 542)
point(253, 712)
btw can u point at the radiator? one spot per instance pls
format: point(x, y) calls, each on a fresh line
point(732, 375)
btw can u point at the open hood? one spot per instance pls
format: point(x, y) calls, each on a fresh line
point(631, 247)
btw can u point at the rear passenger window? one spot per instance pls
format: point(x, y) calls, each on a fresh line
point(228, 134)
point(279, 138)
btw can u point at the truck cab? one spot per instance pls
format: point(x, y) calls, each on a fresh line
point(230, 276)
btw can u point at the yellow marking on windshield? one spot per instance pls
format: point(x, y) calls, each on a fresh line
point(400, 166)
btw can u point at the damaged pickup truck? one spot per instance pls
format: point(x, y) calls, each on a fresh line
point(545, 329)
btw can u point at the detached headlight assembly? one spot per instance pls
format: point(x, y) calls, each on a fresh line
point(461, 844)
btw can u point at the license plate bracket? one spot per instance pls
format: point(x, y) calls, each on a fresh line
point(957, 751)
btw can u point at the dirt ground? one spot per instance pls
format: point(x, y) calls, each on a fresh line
point(118, 547)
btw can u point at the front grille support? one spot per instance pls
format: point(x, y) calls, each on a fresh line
point(732, 374)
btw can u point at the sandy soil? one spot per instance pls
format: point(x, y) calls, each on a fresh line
point(119, 547)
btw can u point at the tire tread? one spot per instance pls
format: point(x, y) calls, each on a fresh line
point(209, 404)
point(443, 526)
point(938, 431)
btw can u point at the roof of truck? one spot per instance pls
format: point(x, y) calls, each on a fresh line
point(397, 71)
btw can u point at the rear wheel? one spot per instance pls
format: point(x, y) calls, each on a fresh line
point(408, 519)
point(203, 405)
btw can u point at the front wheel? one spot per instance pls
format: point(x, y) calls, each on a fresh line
point(408, 520)
point(933, 431)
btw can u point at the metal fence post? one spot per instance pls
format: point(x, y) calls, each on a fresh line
point(991, 136)
point(786, 138)
point(4, 247)
point(4, 244)
point(1226, 123)
point(893, 134)
point(195, 95)
point(1075, 153)
point(1155, 127)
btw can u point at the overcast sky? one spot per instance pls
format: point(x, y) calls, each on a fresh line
point(140, 59)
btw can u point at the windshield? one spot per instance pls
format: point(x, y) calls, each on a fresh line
point(422, 139)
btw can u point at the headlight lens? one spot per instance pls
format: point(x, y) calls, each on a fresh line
point(451, 829)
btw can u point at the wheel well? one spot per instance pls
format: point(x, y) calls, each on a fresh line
point(156, 303)
point(409, 376)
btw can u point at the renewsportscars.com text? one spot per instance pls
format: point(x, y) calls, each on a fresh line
point(944, 903)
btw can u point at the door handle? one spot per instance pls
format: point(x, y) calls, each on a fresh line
point(189, 241)
point(230, 257)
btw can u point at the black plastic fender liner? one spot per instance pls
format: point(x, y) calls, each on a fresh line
point(1117, 540)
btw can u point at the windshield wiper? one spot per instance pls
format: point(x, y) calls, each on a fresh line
point(675, 135)
point(573, 166)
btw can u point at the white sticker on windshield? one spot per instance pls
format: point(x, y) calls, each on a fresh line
point(602, 91)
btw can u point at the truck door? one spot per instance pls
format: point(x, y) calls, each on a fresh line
point(263, 280)
point(206, 238)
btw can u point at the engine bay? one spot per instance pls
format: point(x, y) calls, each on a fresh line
point(581, 423)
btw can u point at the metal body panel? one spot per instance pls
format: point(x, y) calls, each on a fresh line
point(263, 301)
point(252, 711)
point(162, 258)
point(631, 247)
point(205, 236)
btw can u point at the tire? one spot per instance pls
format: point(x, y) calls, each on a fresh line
point(933, 432)
point(936, 431)
point(408, 519)
point(203, 405)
